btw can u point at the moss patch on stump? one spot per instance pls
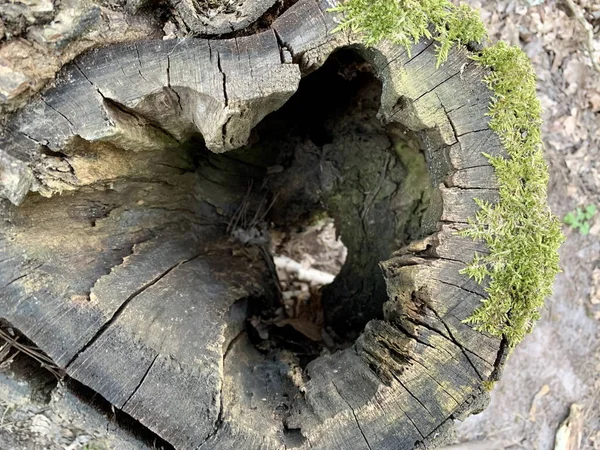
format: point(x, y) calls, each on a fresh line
point(523, 236)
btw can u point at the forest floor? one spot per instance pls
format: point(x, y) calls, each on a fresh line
point(559, 363)
point(556, 366)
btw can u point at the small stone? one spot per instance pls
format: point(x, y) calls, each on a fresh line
point(38, 6)
point(169, 29)
point(287, 56)
point(595, 291)
point(15, 180)
point(134, 6)
point(595, 229)
point(73, 20)
point(12, 83)
point(30, 10)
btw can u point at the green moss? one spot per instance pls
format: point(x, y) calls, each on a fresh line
point(521, 233)
point(96, 445)
point(404, 22)
point(488, 385)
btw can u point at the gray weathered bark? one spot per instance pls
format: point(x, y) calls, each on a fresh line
point(117, 263)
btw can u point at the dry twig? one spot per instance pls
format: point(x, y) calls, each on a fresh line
point(34, 353)
point(588, 29)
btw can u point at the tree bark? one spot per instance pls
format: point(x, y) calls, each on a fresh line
point(116, 256)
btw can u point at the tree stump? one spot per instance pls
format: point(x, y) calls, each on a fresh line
point(124, 185)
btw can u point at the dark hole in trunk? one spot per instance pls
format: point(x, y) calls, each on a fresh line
point(321, 166)
point(325, 161)
point(19, 355)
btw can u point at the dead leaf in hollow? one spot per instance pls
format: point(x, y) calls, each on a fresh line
point(309, 329)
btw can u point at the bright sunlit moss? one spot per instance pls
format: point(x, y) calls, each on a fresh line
point(406, 21)
point(522, 235)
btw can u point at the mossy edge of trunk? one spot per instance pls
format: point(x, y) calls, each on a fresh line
point(523, 236)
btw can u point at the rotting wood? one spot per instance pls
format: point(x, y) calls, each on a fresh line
point(127, 281)
point(218, 17)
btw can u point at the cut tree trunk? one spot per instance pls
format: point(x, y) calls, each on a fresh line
point(139, 193)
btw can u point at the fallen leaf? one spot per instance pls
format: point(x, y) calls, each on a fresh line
point(575, 75)
point(543, 391)
point(569, 434)
point(594, 100)
point(40, 424)
point(595, 294)
point(570, 125)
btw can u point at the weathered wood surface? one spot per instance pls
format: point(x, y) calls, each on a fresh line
point(127, 281)
point(146, 95)
point(209, 18)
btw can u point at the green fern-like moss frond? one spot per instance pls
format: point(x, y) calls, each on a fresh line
point(521, 233)
point(404, 22)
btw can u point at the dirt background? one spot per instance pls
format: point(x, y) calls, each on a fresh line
point(558, 365)
point(563, 352)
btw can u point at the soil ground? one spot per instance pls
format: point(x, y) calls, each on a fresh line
point(556, 366)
